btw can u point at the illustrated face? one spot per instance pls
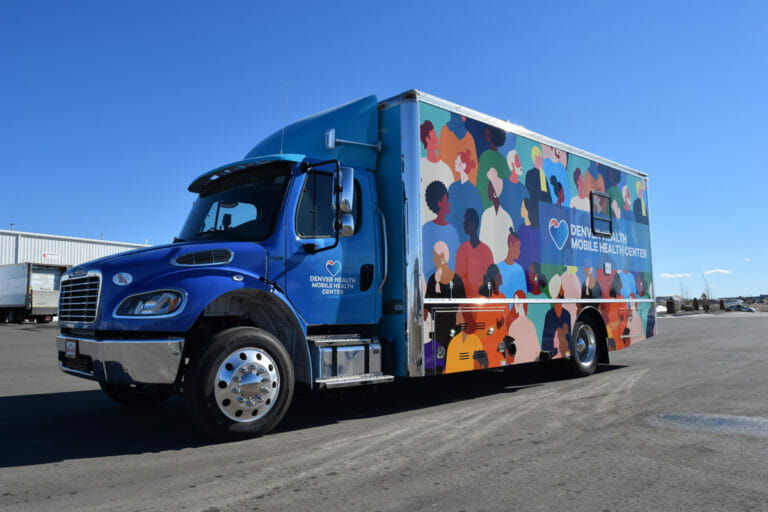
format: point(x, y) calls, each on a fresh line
point(459, 165)
point(443, 206)
point(432, 141)
point(469, 226)
point(520, 309)
point(515, 247)
point(437, 259)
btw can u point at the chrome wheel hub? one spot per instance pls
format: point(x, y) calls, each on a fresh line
point(586, 346)
point(247, 384)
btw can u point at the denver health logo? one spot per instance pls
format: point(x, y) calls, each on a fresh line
point(558, 231)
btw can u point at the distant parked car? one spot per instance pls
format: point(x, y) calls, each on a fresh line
point(661, 309)
point(740, 307)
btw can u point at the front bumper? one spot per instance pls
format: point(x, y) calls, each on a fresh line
point(121, 361)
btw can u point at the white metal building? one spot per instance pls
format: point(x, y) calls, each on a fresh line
point(21, 247)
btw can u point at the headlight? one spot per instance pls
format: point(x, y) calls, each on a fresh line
point(162, 302)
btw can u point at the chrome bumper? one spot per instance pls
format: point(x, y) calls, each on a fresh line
point(122, 361)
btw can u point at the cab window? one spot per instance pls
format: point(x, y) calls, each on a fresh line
point(315, 215)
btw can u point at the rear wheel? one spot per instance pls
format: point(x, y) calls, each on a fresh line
point(14, 317)
point(136, 395)
point(583, 361)
point(241, 386)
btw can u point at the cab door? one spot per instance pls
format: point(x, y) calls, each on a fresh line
point(332, 286)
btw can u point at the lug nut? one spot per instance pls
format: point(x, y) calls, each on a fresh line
point(236, 390)
point(240, 399)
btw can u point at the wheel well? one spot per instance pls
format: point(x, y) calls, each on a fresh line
point(257, 309)
point(591, 315)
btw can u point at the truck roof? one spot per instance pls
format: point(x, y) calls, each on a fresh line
point(199, 184)
point(416, 95)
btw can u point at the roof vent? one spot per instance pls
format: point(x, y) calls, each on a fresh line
point(203, 258)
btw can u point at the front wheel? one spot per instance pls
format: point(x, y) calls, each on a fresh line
point(583, 360)
point(136, 395)
point(241, 386)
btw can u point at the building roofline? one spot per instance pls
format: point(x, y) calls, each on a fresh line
point(71, 238)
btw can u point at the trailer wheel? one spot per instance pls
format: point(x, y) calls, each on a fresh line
point(241, 386)
point(136, 396)
point(14, 317)
point(583, 361)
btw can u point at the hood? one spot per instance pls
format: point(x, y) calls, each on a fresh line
point(172, 258)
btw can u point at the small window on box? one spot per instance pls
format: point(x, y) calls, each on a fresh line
point(602, 222)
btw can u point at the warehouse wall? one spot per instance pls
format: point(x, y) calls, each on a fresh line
point(22, 247)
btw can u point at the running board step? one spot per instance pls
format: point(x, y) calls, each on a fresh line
point(353, 380)
point(346, 356)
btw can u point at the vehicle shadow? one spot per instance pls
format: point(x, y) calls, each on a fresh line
point(53, 427)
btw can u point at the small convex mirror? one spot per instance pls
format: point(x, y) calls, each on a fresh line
point(347, 226)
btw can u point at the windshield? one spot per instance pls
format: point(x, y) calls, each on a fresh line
point(243, 206)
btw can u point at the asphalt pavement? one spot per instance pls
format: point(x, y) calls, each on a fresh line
point(677, 422)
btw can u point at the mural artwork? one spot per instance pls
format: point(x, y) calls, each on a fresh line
point(506, 217)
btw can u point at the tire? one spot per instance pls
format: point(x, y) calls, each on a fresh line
point(241, 386)
point(584, 340)
point(136, 396)
point(14, 317)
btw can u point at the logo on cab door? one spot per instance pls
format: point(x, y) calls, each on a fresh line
point(335, 283)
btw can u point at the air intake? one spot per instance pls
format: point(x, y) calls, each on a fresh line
point(203, 258)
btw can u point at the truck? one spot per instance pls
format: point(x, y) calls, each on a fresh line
point(378, 240)
point(29, 291)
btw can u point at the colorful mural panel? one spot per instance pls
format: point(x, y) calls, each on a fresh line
point(509, 217)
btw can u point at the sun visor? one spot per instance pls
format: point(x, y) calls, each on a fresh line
point(349, 133)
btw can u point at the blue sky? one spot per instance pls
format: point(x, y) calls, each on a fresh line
point(111, 108)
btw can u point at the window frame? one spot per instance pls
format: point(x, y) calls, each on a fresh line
point(357, 210)
point(599, 216)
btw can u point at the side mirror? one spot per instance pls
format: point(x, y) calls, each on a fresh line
point(346, 190)
point(346, 226)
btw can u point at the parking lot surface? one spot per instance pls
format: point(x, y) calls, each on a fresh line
point(678, 422)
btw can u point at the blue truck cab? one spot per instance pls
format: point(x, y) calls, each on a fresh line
point(328, 257)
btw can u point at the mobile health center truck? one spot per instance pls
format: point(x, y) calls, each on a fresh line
point(374, 241)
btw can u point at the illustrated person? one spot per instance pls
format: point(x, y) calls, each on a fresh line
point(490, 160)
point(473, 256)
point(512, 273)
point(523, 331)
point(571, 286)
point(432, 167)
point(580, 201)
point(639, 208)
point(626, 212)
point(437, 229)
point(614, 187)
point(492, 320)
point(635, 321)
point(463, 195)
point(554, 162)
point(514, 191)
point(536, 290)
point(454, 139)
point(590, 288)
point(465, 351)
point(536, 180)
point(496, 223)
point(444, 283)
point(528, 233)
point(556, 336)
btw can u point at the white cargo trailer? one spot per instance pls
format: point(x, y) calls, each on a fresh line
point(29, 291)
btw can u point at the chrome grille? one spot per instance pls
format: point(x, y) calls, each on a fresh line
point(79, 299)
point(212, 257)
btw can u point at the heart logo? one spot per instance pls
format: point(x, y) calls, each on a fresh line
point(333, 267)
point(558, 230)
